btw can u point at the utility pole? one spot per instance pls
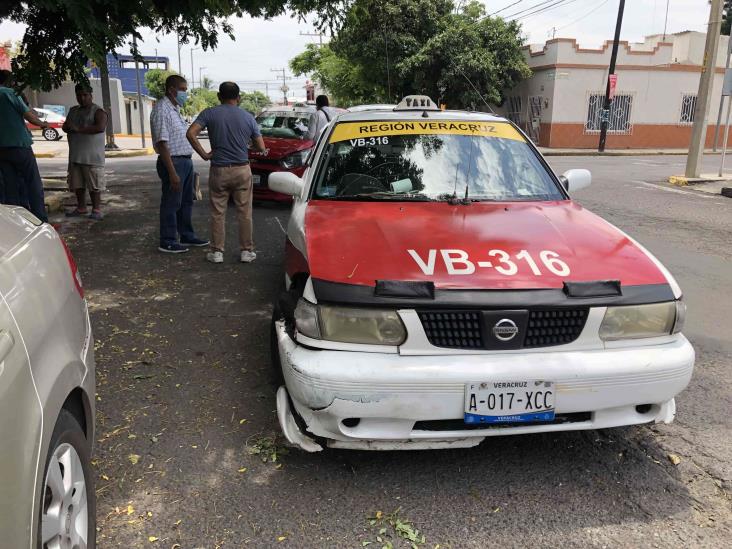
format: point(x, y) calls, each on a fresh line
point(180, 67)
point(140, 104)
point(318, 34)
point(721, 98)
point(200, 80)
point(605, 113)
point(701, 110)
point(193, 74)
point(284, 87)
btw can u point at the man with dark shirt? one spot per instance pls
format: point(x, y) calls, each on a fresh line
point(21, 180)
point(230, 132)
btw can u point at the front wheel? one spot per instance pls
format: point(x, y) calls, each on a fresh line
point(67, 510)
point(51, 134)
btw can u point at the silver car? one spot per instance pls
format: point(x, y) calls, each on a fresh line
point(46, 390)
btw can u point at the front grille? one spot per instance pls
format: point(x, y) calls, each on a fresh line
point(555, 327)
point(453, 329)
point(464, 329)
point(460, 425)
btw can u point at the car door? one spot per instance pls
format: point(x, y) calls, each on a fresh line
point(20, 433)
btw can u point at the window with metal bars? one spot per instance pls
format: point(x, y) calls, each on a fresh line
point(619, 116)
point(688, 105)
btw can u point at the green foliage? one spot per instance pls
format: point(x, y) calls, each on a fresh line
point(254, 101)
point(155, 81)
point(432, 47)
point(62, 35)
point(200, 99)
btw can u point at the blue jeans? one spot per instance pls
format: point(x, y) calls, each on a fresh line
point(176, 207)
point(21, 180)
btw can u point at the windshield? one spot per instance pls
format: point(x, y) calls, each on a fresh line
point(290, 125)
point(432, 161)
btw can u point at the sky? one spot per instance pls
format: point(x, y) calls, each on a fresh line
point(261, 46)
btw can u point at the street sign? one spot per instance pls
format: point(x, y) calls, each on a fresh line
point(605, 115)
point(284, 89)
point(613, 80)
point(727, 84)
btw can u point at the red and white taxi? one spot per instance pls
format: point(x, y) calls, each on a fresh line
point(442, 287)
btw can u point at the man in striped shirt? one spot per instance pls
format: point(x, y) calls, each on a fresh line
point(175, 168)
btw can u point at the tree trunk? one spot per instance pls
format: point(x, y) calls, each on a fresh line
point(107, 102)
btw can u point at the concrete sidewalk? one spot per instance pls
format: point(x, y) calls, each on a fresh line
point(128, 146)
point(619, 152)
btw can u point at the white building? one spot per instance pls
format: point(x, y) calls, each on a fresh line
point(657, 83)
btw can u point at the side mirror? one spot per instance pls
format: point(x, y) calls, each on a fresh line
point(574, 180)
point(285, 183)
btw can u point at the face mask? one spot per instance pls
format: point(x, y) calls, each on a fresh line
point(181, 97)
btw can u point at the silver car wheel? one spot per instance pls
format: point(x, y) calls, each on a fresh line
point(65, 520)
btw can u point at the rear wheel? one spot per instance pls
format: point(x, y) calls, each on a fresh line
point(67, 510)
point(51, 134)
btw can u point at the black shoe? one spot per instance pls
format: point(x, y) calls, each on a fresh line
point(174, 248)
point(195, 241)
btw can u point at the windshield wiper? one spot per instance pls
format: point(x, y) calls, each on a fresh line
point(383, 196)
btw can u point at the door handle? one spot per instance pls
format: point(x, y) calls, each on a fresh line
point(6, 344)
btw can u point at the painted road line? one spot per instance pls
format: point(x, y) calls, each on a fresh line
point(669, 190)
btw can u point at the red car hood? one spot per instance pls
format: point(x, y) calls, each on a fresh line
point(280, 148)
point(361, 242)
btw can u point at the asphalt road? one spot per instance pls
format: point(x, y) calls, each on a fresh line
point(188, 452)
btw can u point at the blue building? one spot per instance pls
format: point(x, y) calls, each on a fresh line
point(123, 68)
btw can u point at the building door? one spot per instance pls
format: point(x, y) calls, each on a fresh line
point(128, 112)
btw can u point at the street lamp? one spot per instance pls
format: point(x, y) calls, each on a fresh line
point(193, 74)
point(200, 80)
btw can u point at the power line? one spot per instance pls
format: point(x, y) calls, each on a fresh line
point(556, 4)
point(542, 3)
point(593, 10)
point(504, 8)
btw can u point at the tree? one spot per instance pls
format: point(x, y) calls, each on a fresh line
point(62, 35)
point(386, 49)
point(155, 81)
point(206, 82)
point(254, 102)
point(198, 100)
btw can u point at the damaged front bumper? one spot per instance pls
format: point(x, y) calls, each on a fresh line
point(380, 401)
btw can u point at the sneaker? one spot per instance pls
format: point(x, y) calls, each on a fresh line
point(247, 256)
point(96, 215)
point(215, 257)
point(195, 241)
point(76, 212)
point(174, 248)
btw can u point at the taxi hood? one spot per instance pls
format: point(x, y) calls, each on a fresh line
point(484, 245)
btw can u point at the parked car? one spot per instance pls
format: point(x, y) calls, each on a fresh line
point(47, 390)
point(443, 286)
point(55, 121)
point(284, 129)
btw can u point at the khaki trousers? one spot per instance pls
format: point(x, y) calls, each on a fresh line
point(234, 181)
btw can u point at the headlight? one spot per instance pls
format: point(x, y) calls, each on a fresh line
point(349, 324)
point(295, 160)
point(639, 321)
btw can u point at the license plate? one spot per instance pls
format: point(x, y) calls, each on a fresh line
point(509, 401)
point(256, 179)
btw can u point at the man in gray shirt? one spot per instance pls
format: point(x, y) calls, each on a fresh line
point(230, 132)
point(85, 125)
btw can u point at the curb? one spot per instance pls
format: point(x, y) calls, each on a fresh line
point(683, 181)
point(127, 153)
point(50, 154)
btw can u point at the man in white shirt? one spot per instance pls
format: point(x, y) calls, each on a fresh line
point(175, 169)
point(323, 115)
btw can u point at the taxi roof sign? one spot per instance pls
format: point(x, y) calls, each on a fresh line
point(416, 103)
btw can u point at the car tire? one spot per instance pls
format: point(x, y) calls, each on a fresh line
point(67, 510)
point(51, 134)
